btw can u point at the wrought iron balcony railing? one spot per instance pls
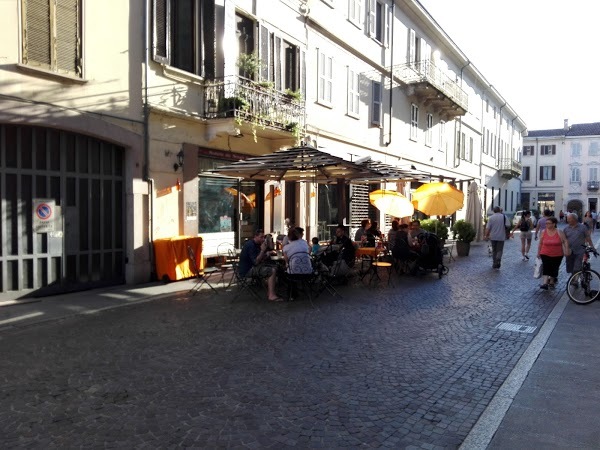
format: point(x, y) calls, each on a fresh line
point(427, 72)
point(246, 100)
point(593, 185)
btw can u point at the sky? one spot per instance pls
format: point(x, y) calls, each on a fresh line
point(540, 55)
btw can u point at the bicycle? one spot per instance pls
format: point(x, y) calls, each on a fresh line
point(583, 286)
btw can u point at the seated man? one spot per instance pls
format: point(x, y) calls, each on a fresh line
point(346, 246)
point(254, 255)
point(402, 250)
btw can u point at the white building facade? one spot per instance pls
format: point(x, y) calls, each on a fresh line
point(118, 132)
point(561, 169)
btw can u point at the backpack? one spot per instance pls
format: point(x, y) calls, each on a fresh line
point(524, 225)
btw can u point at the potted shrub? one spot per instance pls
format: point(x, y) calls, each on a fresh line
point(292, 95)
point(437, 227)
point(230, 104)
point(249, 64)
point(464, 233)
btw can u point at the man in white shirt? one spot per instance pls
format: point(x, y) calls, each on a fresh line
point(495, 231)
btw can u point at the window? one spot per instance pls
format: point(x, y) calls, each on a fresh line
point(469, 156)
point(414, 121)
point(325, 68)
point(528, 150)
point(355, 11)
point(429, 130)
point(493, 137)
point(281, 62)
point(442, 142)
point(51, 37)
point(376, 104)
point(463, 142)
point(184, 35)
point(494, 112)
point(575, 149)
point(487, 105)
point(353, 93)
point(547, 172)
point(412, 47)
point(575, 175)
point(526, 173)
point(376, 20)
point(594, 150)
point(548, 150)
point(593, 171)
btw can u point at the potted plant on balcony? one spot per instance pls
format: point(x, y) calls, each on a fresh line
point(464, 233)
point(229, 105)
point(292, 95)
point(249, 65)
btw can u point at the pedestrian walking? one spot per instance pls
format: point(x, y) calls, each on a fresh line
point(495, 231)
point(553, 246)
point(577, 236)
point(541, 225)
point(525, 226)
point(561, 215)
point(595, 219)
point(588, 221)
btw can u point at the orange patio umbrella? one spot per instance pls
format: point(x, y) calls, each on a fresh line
point(438, 199)
point(391, 202)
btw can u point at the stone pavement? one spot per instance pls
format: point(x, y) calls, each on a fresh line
point(413, 366)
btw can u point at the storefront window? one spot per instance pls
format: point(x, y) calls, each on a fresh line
point(218, 204)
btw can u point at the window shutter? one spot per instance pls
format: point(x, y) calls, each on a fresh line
point(541, 172)
point(161, 32)
point(376, 118)
point(359, 205)
point(277, 63)
point(36, 40)
point(371, 21)
point(412, 40)
point(553, 172)
point(303, 73)
point(68, 57)
point(264, 53)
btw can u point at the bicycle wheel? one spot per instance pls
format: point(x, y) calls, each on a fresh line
point(583, 287)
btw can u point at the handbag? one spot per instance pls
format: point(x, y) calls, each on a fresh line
point(538, 268)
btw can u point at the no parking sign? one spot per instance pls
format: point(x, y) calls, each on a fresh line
point(44, 212)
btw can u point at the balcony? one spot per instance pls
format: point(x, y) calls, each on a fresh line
point(433, 88)
point(593, 185)
point(509, 168)
point(266, 111)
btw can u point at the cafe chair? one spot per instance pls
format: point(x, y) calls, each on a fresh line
point(448, 250)
point(225, 255)
point(244, 284)
point(301, 275)
point(202, 276)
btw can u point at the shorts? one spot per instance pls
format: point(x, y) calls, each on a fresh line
point(260, 271)
point(574, 262)
point(526, 235)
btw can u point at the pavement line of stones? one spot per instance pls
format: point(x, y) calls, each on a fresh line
point(482, 433)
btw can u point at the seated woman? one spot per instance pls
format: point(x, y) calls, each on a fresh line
point(297, 254)
point(372, 234)
point(402, 251)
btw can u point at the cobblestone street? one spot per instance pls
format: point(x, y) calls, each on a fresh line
point(407, 367)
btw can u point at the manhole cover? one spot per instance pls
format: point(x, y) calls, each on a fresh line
point(515, 327)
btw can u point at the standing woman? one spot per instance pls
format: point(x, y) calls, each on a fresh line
point(525, 225)
point(553, 246)
point(588, 221)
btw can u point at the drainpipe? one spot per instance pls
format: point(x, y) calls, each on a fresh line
point(391, 71)
point(499, 130)
point(146, 137)
point(459, 134)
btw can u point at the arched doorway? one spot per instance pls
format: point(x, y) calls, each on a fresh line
point(576, 206)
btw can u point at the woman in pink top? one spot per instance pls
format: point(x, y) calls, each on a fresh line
point(552, 248)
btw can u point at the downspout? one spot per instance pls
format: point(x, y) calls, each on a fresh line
point(500, 130)
point(146, 137)
point(459, 134)
point(391, 71)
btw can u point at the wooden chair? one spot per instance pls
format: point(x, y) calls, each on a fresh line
point(202, 276)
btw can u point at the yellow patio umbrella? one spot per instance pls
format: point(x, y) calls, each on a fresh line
point(438, 199)
point(391, 202)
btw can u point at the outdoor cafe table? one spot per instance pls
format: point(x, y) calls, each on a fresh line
point(371, 252)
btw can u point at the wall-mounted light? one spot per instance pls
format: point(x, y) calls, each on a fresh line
point(179, 162)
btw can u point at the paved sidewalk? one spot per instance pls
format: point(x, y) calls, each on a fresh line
point(548, 400)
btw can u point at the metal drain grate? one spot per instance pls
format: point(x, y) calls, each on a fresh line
point(515, 327)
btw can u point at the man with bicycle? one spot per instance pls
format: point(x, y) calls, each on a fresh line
point(577, 235)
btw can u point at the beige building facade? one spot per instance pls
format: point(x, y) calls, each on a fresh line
point(117, 134)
